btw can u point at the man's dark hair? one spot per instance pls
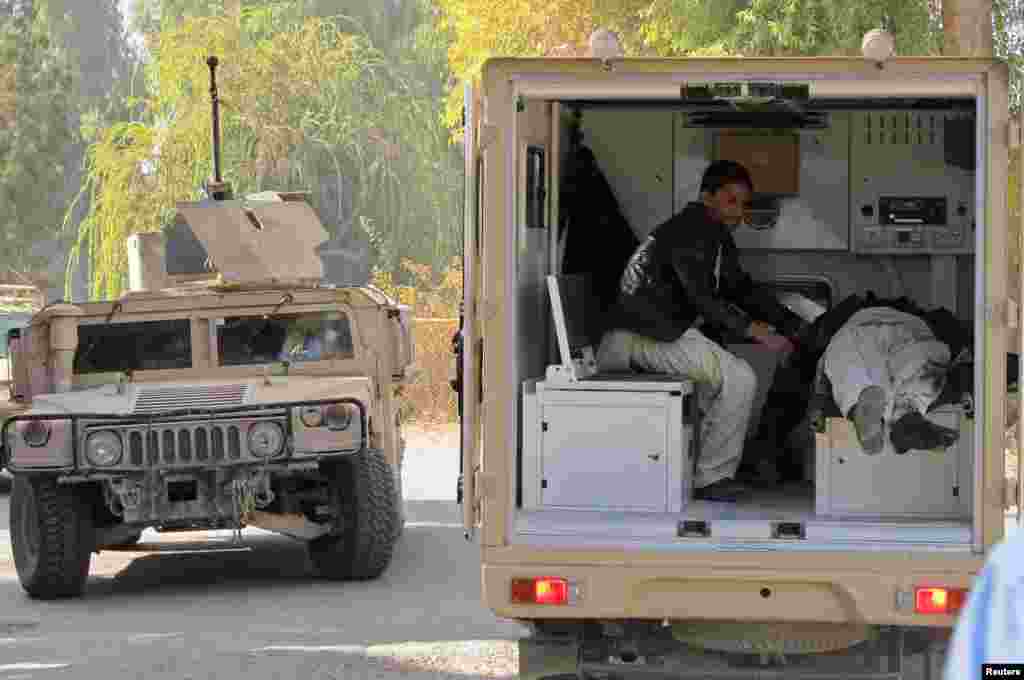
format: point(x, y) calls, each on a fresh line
point(721, 173)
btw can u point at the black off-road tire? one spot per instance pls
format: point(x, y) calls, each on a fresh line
point(363, 489)
point(51, 536)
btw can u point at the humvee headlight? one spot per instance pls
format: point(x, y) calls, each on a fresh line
point(103, 448)
point(339, 416)
point(311, 416)
point(36, 433)
point(266, 439)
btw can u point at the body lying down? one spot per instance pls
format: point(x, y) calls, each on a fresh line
point(887, 368)
point(883, 363)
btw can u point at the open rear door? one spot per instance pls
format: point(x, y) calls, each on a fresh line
point(1015, 484)
point(471, 344)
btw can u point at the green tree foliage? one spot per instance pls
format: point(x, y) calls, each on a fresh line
point(1008, 43)
point(105, 69)
point(300, 100)
point(792, 27)
point(482, 29)
point(35, 86)
point(830, 27)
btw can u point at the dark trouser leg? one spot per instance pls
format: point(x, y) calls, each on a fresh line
point(784, 408)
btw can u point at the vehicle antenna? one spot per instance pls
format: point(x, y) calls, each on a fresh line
point(217, 189)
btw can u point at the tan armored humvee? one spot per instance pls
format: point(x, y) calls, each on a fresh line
point(248, 395)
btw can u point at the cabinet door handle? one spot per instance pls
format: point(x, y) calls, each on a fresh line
point(654, 456)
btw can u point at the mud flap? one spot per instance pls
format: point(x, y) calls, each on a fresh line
point(548, 657)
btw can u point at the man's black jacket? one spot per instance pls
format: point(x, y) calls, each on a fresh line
point(670, 281)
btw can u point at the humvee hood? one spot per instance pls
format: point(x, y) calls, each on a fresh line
point(156, 398)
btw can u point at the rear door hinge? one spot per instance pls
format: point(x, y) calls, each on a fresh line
point(1010, 493)
point(1001, 313)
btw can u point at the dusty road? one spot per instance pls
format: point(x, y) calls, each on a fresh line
point(261, 614)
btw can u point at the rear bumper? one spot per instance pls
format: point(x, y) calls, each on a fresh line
point(843, 588)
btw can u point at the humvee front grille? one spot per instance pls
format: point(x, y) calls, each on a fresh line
point(183, 444)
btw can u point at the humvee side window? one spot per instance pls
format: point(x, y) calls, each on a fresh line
point(295, 338)
point(133, 346)
point(9, 322)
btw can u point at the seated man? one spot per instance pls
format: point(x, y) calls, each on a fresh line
point(680, 282)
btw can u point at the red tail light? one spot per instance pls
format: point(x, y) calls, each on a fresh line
point(934, 600)
point(543, 590)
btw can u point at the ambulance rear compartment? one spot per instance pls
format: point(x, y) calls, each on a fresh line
point(852, 196)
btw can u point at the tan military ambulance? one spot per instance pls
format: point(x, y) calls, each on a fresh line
point(881, 174)
point(228, 388)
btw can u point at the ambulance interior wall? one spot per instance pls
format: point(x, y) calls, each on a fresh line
point(654, 163)
point(532, 256)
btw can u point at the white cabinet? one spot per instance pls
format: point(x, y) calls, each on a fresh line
point(624, 449)
point(914, 485)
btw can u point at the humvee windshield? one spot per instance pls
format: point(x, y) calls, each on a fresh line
point(133, 346)
point(317, 336)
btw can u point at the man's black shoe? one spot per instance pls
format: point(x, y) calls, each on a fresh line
point(722, 491)
point(914, 431)
point(762, 473)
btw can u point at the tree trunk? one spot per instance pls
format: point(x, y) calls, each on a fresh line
point(967, 27)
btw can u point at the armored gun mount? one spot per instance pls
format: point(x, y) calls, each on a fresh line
point(265, 239)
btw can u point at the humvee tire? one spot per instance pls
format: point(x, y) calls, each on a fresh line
point(363, 491)
point(51, 537)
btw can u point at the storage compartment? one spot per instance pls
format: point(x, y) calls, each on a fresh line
point(621, 442)
point(912, 485)
point(618, 447)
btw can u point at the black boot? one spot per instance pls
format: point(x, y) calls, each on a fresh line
point(914, 431)
point(722, 491)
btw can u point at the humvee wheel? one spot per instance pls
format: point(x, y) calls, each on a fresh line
point(363, 490)
point(51, 537)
